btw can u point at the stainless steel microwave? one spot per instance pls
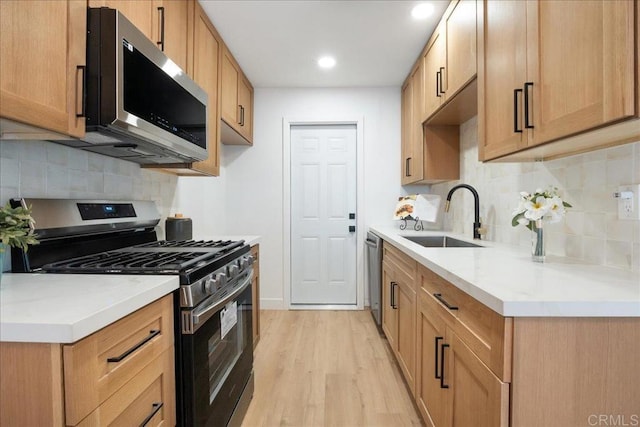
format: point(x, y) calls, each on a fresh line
point(140, 105)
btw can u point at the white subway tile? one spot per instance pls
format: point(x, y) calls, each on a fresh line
point(618, 254)
point(619, 229)
point(57, 154)
point(10, 149)
point(594, 225)
point(593, 250)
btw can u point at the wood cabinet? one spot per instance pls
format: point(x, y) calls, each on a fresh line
point(96, 381)
point(551, 70)
point(463, 370)
point(236, 102)
point(450, 56)
point(399, 309)
point(255, 294)
point(43, 45)
point(204, 57)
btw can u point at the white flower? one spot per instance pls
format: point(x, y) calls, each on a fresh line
point(523, 221)
point(525, 195)
point(537, 208)
point(556, 209)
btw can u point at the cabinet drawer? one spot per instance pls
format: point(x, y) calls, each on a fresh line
point(402, 263)
point(148, 399)
point(486, 332)
point(99, 365)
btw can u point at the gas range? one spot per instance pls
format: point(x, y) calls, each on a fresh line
point(109, 237)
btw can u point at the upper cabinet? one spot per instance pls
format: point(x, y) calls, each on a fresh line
point(164, 22)
point(42, 70)
point(449, 61)
point(552, 70)
point(236, 103)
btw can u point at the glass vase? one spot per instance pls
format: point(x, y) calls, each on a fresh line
point(538, 250)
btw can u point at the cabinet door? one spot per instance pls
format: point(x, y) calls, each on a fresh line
point(417, 140)
point(430, 396)
point(142, 13)
point(477, 396)
point(461, 47)
point(407, 129)
point(581, 57)
point(43, 45)
point(433, 65)
point(206, 48)
point(406, 333)
point(389, 306)
point(229, 90)
point(173, 32)
point(245, 104)
point(501, 74)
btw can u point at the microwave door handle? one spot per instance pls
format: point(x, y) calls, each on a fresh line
point(204, 315)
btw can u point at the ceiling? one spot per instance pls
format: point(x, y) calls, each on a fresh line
point(277, 43)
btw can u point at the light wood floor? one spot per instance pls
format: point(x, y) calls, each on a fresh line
point(326, 368)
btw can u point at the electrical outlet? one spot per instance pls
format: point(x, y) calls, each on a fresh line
point(628, 201)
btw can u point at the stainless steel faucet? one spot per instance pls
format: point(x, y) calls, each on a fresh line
point(476, 220)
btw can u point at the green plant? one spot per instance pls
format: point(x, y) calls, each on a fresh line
point(15, 227)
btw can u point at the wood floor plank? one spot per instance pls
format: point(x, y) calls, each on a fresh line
point(326, 368)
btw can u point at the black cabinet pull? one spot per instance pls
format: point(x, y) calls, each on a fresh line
point(409, 166)
point(241, 115)
point(441, 78)
point(515, 110)
point(406, 167)
point(393, 296)
point(442, 384)
point(155, 407)
point(445, 303)
point(526, 105)
point(438, 78)
point(437, 341)
point(148, 338)
point(83, 95)
point(161, 42)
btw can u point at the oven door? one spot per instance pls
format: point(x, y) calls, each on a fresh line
point(217, 358)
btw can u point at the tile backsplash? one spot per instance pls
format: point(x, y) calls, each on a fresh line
point(48, 170)
point(591, 230)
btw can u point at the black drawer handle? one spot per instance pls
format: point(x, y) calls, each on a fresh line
point(444, 302)
point(526, 105)
point(442, 384)
point(241, 115)
point(437, 341)
point(441, 78)
point(151, 335)
point(83, 95)
point(516, 129)
point(155, 408)
point(438, 78)
point(161, 15)
point(393, 295)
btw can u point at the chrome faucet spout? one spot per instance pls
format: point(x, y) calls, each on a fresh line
point(476, 200)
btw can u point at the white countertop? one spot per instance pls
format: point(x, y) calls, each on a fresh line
point(505, 279)
point(64, 308)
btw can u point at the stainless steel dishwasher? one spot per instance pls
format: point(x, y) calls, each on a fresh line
point(374, 270)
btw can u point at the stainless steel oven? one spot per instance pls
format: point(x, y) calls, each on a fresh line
point(217, 356)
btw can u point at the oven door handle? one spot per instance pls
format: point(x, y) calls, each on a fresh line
point(206, 313)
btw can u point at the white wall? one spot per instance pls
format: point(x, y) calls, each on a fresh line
point(254, 176)
point(591, 230)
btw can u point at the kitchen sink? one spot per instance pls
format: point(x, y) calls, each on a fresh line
point(441, 242)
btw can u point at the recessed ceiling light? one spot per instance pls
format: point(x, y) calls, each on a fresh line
point(326, 62)
point(422, 11)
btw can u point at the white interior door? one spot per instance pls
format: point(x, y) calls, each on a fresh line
point(323, 196)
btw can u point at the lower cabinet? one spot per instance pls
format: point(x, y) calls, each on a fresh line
point(399, 309)
point(122, 374)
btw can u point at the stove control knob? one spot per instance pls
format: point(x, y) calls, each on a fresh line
point(250, 259)
point(209, 286)
point(244, 263)
point(233, 270)
point(221, 280)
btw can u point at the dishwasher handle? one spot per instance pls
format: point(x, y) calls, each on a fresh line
point(371, 243)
